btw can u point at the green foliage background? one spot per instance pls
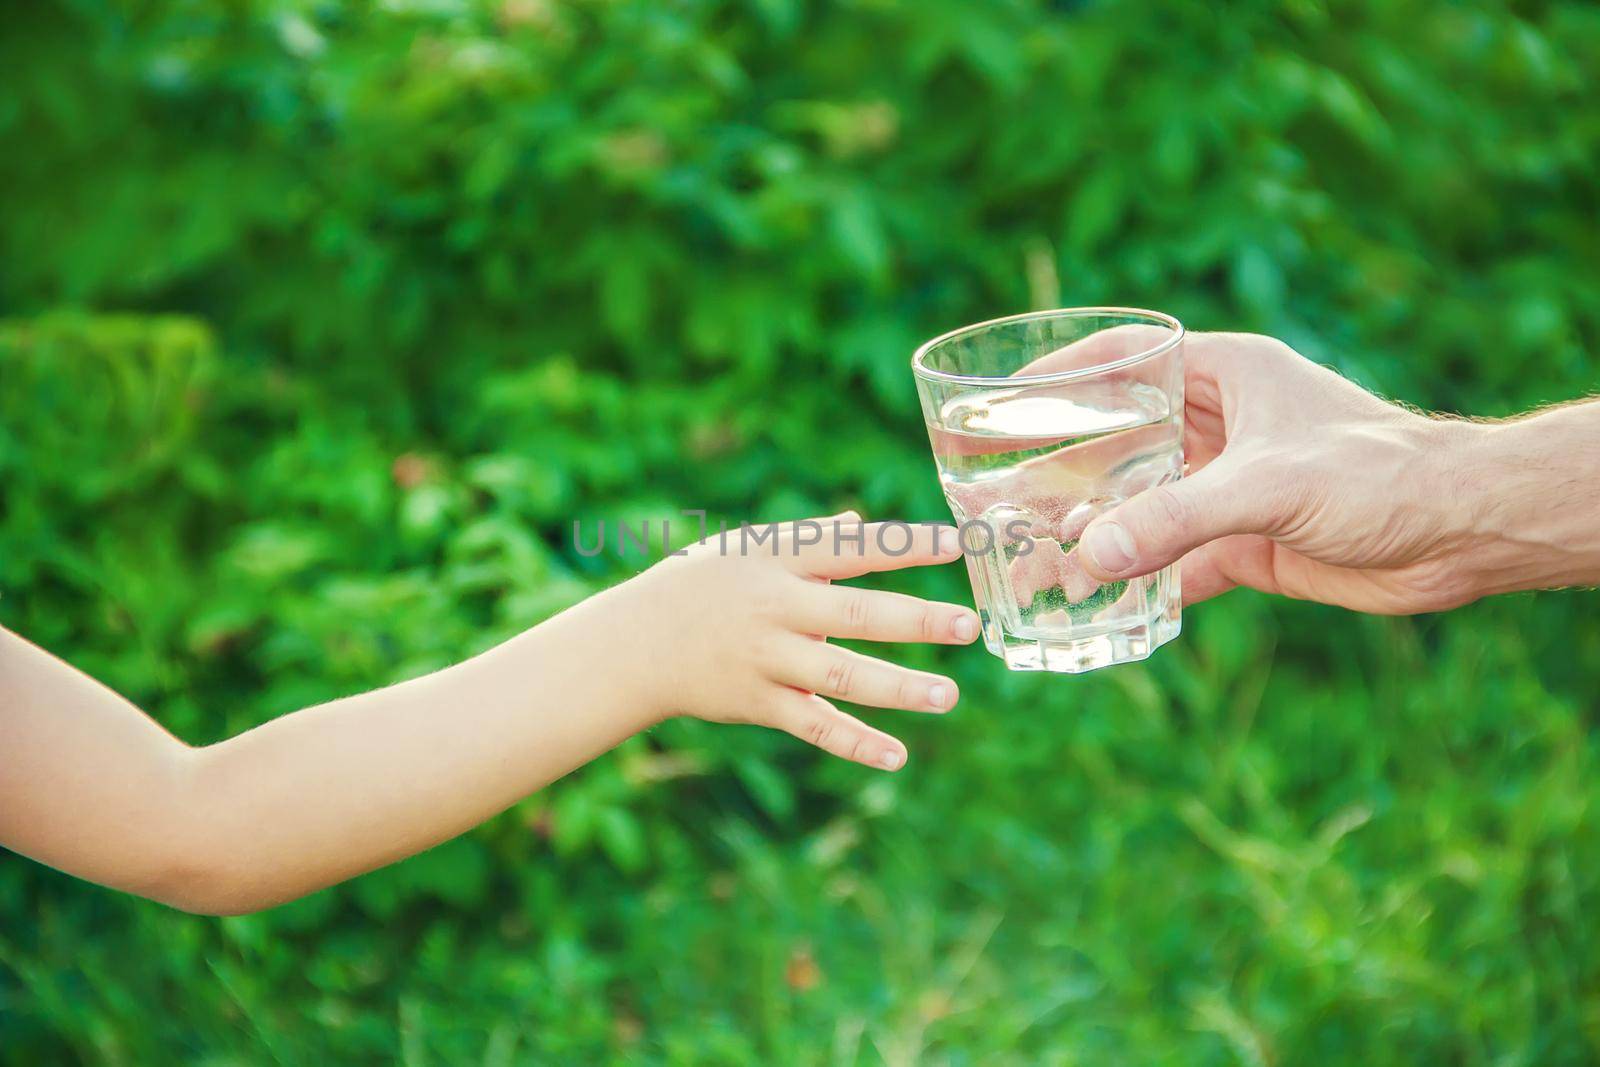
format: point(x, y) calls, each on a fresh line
point(322, 322)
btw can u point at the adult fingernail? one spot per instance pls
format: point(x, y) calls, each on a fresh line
point(939, 696)
point(965, 628)
point(890, 760)
point(1110, 547)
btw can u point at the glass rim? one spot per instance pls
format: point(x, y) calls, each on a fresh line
point(1160, 318)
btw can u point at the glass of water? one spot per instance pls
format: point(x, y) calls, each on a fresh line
point(1040, 422)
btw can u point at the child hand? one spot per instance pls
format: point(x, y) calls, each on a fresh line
point(741, 631)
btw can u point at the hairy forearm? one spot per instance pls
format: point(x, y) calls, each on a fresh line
point(316, 796)
point(1528, 496)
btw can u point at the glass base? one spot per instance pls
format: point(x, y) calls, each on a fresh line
point(1075, 655)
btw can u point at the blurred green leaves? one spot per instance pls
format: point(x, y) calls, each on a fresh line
point(322, 324)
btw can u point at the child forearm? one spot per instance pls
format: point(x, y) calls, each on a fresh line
point(333, 791)
point(91, 785)
point(310, 798)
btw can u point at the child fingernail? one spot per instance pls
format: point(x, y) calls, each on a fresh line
point(939, 696)
point(890, 760)
point(965, 628)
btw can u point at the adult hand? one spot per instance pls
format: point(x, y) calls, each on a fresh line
point(1302, 483)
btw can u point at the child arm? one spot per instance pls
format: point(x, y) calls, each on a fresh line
point(91, 785)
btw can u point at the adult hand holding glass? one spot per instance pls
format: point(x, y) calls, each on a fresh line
point(1302, 483)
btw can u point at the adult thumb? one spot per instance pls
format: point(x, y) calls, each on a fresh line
point(1160, 525)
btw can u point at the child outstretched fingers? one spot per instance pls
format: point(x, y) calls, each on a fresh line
point(729, 633)
point(753, 619)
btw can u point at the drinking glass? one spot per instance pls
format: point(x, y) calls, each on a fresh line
point(1040, 422)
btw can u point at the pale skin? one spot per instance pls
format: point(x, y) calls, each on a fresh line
point(1303, 484)
point(91, 785)
point(1299, 483)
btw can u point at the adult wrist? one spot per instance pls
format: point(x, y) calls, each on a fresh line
point(1530, 516)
